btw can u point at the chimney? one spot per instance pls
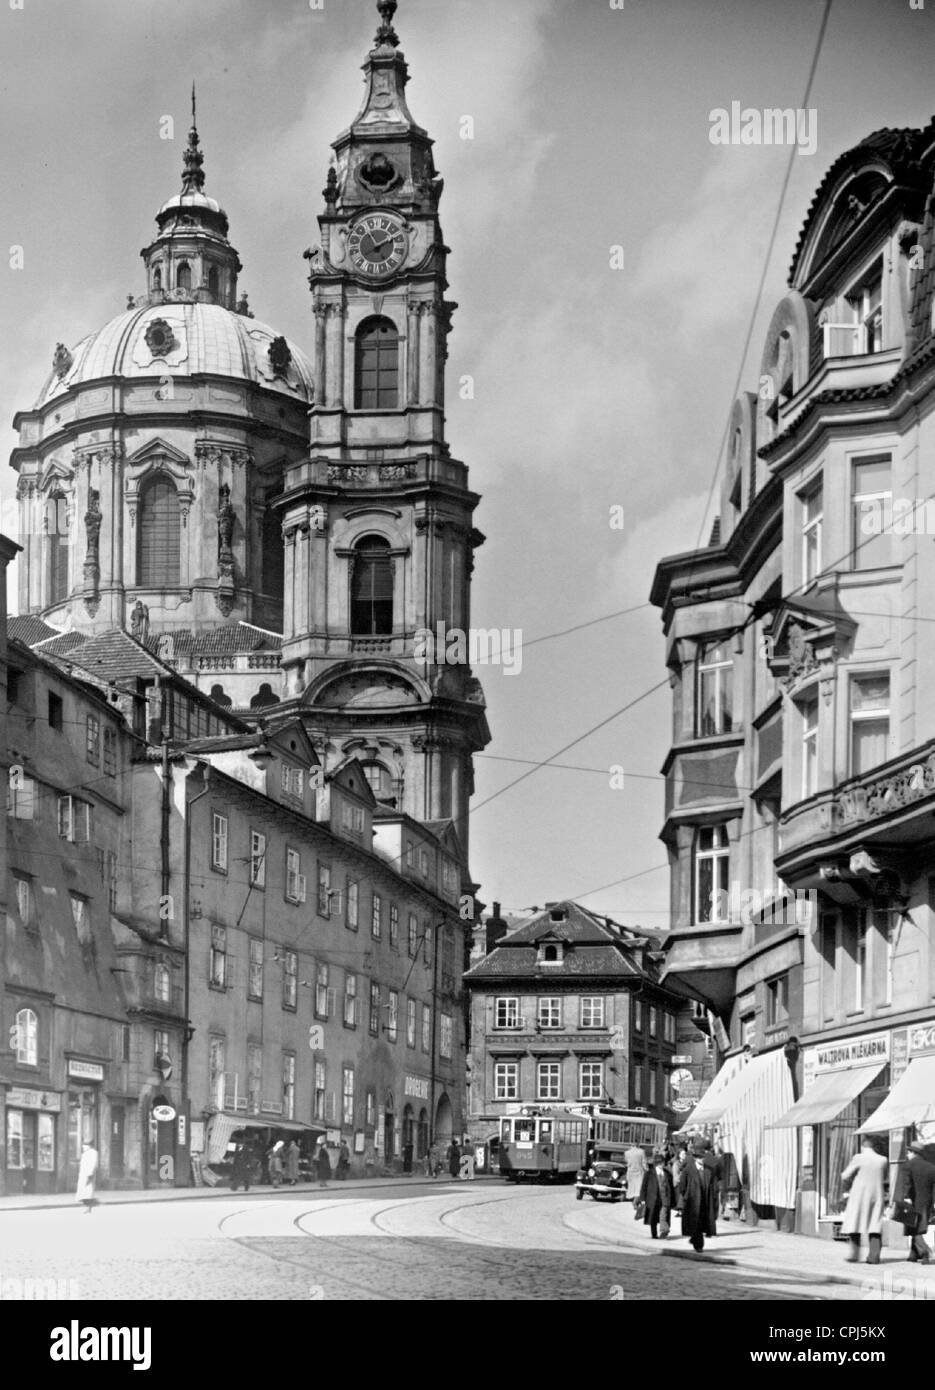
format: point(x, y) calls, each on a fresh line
point(495, 929)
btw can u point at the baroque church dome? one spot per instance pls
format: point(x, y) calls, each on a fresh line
point(202, 338)
point(151, 466)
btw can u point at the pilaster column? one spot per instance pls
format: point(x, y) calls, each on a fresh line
point(412, 372)
point(335, 390)
point(428, 335)
point(321, 314)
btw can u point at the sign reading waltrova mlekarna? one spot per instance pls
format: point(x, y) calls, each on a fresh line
point(844, 1053)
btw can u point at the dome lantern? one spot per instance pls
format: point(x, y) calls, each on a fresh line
point(191, 258)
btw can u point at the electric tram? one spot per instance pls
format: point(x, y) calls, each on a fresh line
point(543, 1144)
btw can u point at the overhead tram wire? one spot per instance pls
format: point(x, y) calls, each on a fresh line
point(766, 263)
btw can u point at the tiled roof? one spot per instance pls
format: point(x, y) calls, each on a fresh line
point(29, 630)
point(115, 655)
point(62, 643)
point(592, 948)
point(224, 641)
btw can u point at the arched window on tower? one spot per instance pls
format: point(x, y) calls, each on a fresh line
point(183, 276)
point(214, 283)
point(157, 278)
point(57, 528)
point(158, 534)
point(372, 588)
point(376, 376)
point(271, 541)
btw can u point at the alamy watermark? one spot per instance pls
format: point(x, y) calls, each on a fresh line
point(479, 646)
point(754, 906)
point(774, 125)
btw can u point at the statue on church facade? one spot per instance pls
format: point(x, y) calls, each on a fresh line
point(139, 622)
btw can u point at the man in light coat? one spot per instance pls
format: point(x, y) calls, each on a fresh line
point(636, 1167)
point(87, 1177)
point(863, 1215)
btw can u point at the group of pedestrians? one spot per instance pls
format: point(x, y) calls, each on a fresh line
point(688, 1180)
point(282, 1164)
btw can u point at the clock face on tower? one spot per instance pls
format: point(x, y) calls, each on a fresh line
point(377, 244)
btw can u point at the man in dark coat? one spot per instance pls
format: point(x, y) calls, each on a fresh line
point(695, 1194)
point(715, 1164)
point(454, 1159)
point(914, 1198)
point(657, 1193)
point(240, 1170)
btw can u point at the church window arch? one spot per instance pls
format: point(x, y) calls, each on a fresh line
point(214, 281)
point(376, 365)
point(159, 536)
point(157, 278)
point(380, 780)
point(183, 276)
point(372, 588)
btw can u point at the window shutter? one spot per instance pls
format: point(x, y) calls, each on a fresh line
point(159, 534)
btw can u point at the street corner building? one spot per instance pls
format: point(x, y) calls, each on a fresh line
point(801, 777)
point(567, 1009)
point(238, 898)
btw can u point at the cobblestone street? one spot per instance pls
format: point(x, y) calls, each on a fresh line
point(414, 1241)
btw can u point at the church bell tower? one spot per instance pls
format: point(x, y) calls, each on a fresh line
point(378, 521)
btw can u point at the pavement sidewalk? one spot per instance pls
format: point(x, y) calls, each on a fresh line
point(808, 1258)
point(106, 1197)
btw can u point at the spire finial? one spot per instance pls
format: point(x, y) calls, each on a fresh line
point(193, 177)
point(386, 33)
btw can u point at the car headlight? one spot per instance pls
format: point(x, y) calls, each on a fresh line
point(590, 1172)
point(615, 1174)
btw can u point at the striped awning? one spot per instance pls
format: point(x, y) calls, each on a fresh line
point(710, 1109)
point(829, 1094)
point(754, 1092)
point(910, 1102)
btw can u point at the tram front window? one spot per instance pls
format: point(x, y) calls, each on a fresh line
point(545, 1131)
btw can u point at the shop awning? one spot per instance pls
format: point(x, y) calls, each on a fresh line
point(709, 1109)
point(222, 1126)
point(734, 1078)
point(757, 1091)
point(829, 1094)
point(910, 1102)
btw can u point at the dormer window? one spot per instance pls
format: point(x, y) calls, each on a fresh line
point(550, 952)
point(866, 306)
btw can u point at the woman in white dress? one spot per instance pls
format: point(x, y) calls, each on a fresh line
point(87, 1177)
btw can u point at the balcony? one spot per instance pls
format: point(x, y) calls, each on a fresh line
point(888, 807)
point(704, 957)
point(167, 1003)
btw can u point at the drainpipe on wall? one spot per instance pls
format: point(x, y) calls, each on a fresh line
point(188, 1031)
point(434, 1035)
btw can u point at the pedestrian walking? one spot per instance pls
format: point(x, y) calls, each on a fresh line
point(675, 1168)
point(454, 1158)
point(241, 1169)
point(694, 1193)
point(715, 1164)
point(344, 1160)
point(275, 1163)
point(636, 1166)
point(914, 1199)
point(324, 1164)
point(657, 1195)
point(87, 1177)
point(863, 1216)
point(291, 1163)
point(407, 1157)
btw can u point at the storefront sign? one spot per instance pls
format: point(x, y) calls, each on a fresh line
point(85, 1071)
point(165, 1114)
point(899, 1054)
point(417, 1086)
point(682, 1060)
point(921, 1039)
point(844, 1053)
point(18, 1098)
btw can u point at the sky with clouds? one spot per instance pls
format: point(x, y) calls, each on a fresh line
point(595, 387)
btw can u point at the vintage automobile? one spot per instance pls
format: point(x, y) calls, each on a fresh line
point(601, 1179)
